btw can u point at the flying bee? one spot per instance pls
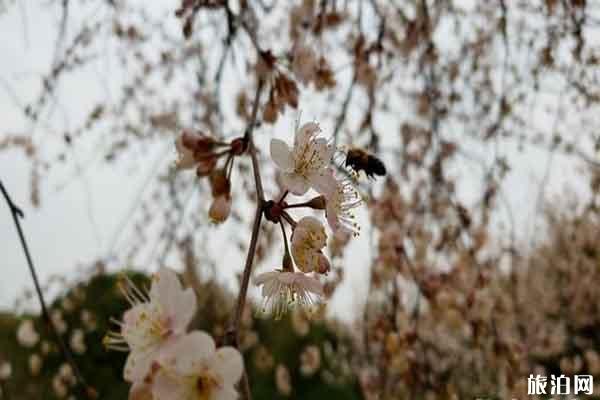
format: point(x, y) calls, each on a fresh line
point(359, 159)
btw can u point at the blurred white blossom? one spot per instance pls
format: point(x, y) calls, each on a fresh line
point(26, 334)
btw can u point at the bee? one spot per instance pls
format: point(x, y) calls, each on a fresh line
point(359, 159)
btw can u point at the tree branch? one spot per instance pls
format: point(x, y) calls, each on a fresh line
point(16, 214)
point(232, 336)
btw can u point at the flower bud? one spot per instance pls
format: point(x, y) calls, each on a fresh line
point(317, 203)
point(206, 166)
point(198, 143)
point(288, 264)
point(219, 183)
point(220, 208)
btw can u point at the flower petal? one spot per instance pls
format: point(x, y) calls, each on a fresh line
point(332, 219)
point(165, 283)
point(282, 155)
point(324, 152)
point(226, 393)
point(140, 391)
point(184, 304)
point(324, 182)
point(305, 132)
point(185, 158)
point(190, 352)
point(229, 364)
point(311, 284)
point(138, 365)
point(178, 305)
point(264, 277)
point(167, 386)
point(297, 184)
point(134, 321)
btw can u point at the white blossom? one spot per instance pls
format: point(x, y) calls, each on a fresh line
point(310, 360)
point(155, 322)
point(305, 165)
point(283, 380)
point(342, 198)
point(77, 341)
point(194, 369)
point(5, 370)
point(284, 290)
point(35, 364)
point(26, 334)
point(308, 240)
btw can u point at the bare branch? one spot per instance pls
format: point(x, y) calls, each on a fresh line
point(17, 213)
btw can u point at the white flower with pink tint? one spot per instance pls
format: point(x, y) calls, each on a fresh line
point(342, 198)
point(155, 321)
point(194, 369)
point(284, 290)
point(26, 334)
point(304, 62)
point(308, 240)
point(305, 165)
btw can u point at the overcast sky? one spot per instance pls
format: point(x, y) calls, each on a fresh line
point(81, 214)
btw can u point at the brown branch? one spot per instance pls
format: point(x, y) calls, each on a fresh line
point(232, 336)
point(17, 213)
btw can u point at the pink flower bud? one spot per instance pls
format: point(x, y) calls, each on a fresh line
point(220, 209)
point(206, 166)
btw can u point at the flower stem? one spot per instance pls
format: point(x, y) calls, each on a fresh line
point(288, 219)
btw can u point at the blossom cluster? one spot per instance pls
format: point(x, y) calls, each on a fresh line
point(304, 166)
point(202, 152)
point(165, 360)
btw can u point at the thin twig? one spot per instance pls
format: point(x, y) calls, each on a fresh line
point(232, 336)
point(16, 214)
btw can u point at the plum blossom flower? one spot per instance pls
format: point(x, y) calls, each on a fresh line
point(263, 359)
point(5, 370)
point(310, 360)
point(56, 316)
point(35, 364)
point(300, 323)
point(194, 369)
point(305, 165)
point(304, 62)
point(283, 290)
point(342, 198)
point(77, 341)
point(27, 335)
point(155, 321)
point(59, 387)
point(283, 380)
point(308, 239)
